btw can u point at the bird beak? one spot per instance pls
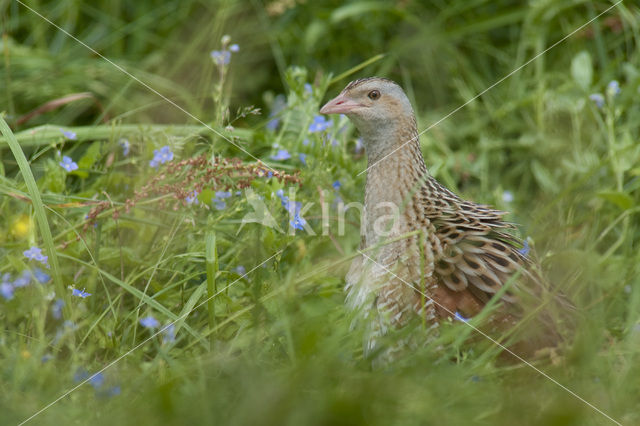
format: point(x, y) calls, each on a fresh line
point(339, 105)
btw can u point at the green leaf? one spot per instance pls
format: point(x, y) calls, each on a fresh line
point(582, 69)
point(620, 199)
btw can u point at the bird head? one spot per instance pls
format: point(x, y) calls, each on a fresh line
point(378, 107)
point(371, 101)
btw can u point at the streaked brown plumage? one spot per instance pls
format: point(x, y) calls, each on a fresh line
point(463, 253)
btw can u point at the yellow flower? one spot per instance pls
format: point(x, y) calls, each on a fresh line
point(21, 226)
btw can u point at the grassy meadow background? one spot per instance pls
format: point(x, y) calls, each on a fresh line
point(130, 248)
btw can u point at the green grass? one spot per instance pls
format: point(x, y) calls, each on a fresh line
point(277, 346)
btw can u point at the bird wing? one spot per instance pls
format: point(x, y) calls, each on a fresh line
point(477, 253)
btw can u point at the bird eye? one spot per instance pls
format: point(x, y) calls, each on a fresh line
point(374, 95)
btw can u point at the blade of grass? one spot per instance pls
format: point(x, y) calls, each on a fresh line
point(38, 207)
point(211, 256)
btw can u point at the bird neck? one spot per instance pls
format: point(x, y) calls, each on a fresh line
point(395, 174)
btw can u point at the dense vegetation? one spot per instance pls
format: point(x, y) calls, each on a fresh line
point(143, 283)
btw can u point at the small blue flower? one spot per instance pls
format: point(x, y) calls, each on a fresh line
point(336, 185)
point(23, 280)
point(97, 380)
point(223, 194)
point(293, 207)
point(525, 248)
point(165, 154)
point(305, 142)
point(80, 375)
point(6, 290)
point(35, 253)
point(240, 270)
point(613, 88)
point(320, 124)
point(459, 317)
point(56, 308)
point(46, 358)
point(269, 174)
point(303, 158)
point(149, 322)
point(298, 222)
point(68, 164)
point(161, 156)
point(113, 391)
point(192, 197)
point(126, 146)
point(507, 196)
point(219, 204)
point(221, 57)
point(273, 124)
point(69, 134)
point(80, 293)
point(359, 146)
point(41, 276)
point(234, 48)
point(597, 99)
point(308, 88)
point(282, 155)
point(169, 334)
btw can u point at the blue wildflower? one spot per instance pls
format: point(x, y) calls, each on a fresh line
point(46, 357)
point(234, 48)
point(80, 375)
point(169, 334)
point(298, 222)
point(126, 146)
point(303, 158)
point(282, 155)
point(35, 253)
point(68, 164)
point(97, 380)
point(613, 88)
point(273, 124)
point(269, 174)
point(308, 88)
point(56, 308)
point(305, 142)
point(336, 185)
point(221, 57)
point(459, 317)
point(240, 270)
point(525, 248)
point(149, 322)
point(23, 280)
point(320, 124)
point(223, 194)
point(219, 204)
point(6, 290)
point(597, 99)
point(69, 134)
point(41, 276)
point(507, 196)
point(359, 146)
point(80, 293)
point(293, 207)
point(161, 156)
point(192, 197)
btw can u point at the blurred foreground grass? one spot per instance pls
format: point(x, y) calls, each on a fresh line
point(556, 144)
